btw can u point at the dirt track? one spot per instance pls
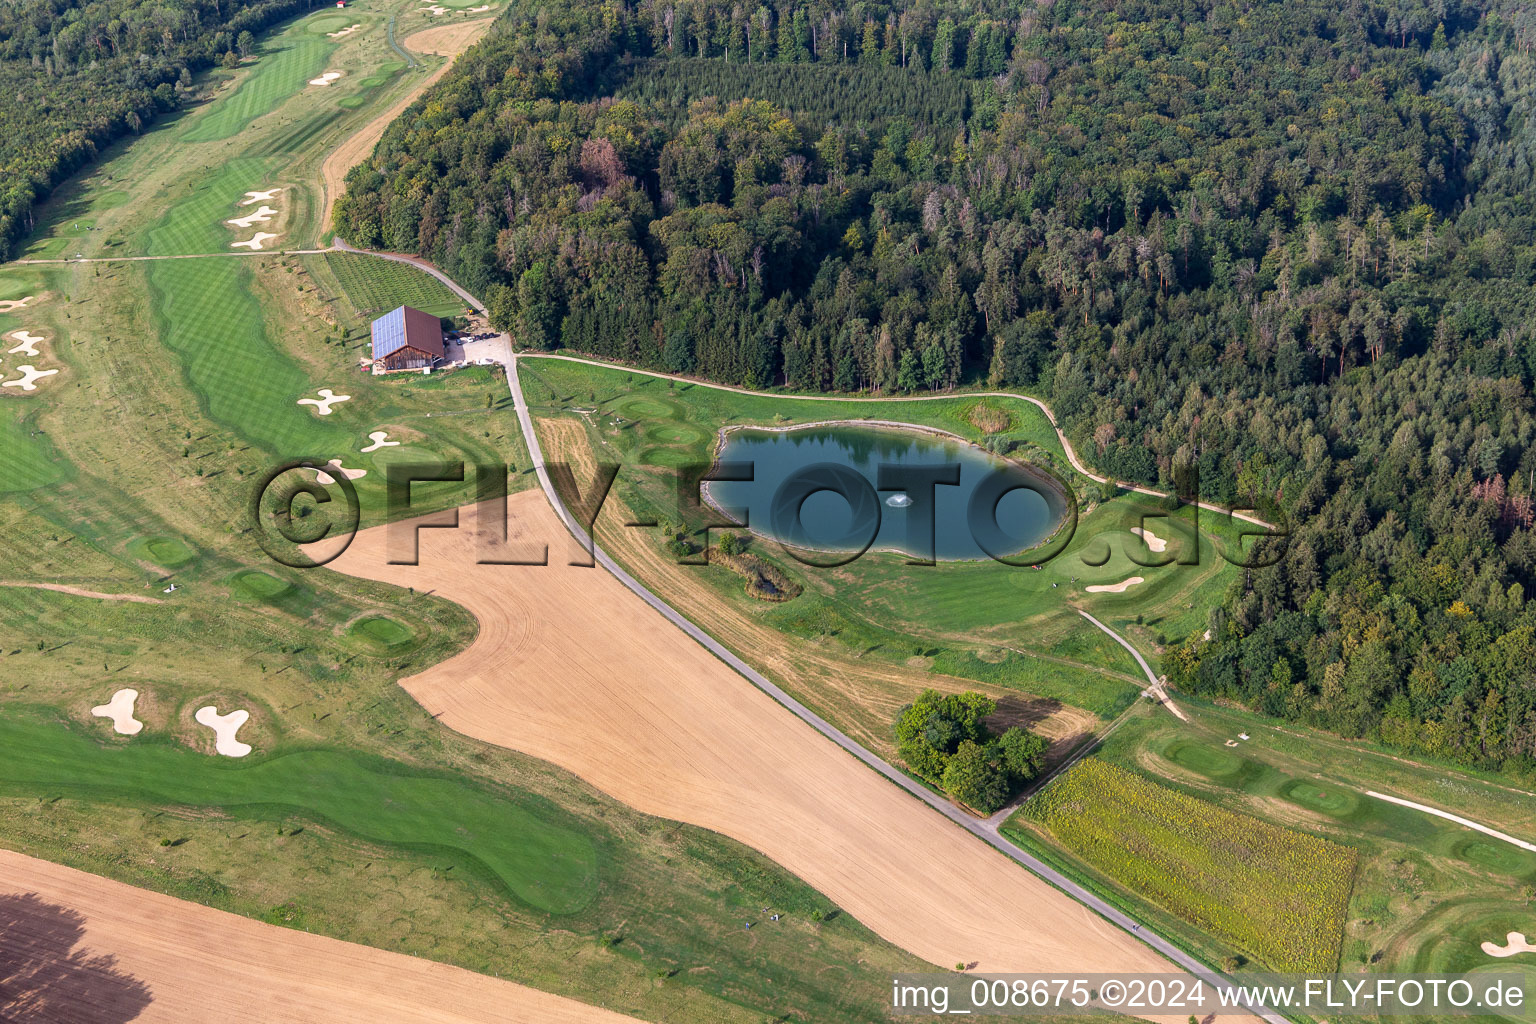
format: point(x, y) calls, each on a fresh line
point(63, 588)
point(572, 667)
point(447, 40)
point(181, 962)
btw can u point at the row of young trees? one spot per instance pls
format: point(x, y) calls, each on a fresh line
point(1288, 246)
point(77, 76)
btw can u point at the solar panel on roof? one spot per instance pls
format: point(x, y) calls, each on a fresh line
point(389, 333)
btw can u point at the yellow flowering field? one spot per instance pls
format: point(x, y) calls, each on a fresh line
point(1277, 894)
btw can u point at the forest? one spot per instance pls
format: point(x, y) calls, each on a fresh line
point(1285, 248)
point(77, 76)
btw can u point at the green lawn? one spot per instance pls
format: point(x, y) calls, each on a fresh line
point(196, 211)
point(287, 62)
point(208, 314)
point(546, 863)
point(30, 461)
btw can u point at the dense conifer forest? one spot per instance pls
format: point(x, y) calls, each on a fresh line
point(76, 76)
point(1288, 245)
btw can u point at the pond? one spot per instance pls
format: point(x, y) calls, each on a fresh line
point(844, 487)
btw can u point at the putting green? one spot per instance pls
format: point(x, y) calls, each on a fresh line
point(1208, 761)
point(647, 409)
point(382, 630)
point(261, 585)
point(1495, 856)
point(675, 433)
point(669, 458)
point(321, 23)
point(545, 863)
point(166, 552)
point(351, 102)
point(1329, 800)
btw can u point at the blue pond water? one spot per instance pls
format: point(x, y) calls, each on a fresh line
point(816, 470)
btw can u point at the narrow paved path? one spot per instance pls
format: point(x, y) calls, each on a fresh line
point(1155, 685)
point(1458, 819)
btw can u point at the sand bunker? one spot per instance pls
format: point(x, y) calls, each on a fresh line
point(261, 216)
point(259, 197)
point(325, 79)
point(377, 437)
point(224, 728)
point(335, 466)
point(28, 375)
point(1156, 543)
point(12, 305)
point(327, 399)
point(435, 10)
point(344, 32)
point(1114, 588)
point(120, 710)
point(477, 10)
point(29, 342)
point(1515, 942)
point(254, 242)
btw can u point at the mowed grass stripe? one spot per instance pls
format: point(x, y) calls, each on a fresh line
point(1279, 895)
point(195, 222)
point(207, 314)
point(547, 865)
point(285, 66)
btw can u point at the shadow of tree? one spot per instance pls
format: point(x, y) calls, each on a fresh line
point(44, 978)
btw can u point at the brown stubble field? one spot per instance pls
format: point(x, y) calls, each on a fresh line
point(77, 947)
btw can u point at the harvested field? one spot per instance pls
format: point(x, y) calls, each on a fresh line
point(572, 667)
point(110, 952)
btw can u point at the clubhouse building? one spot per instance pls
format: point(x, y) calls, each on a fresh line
point(406, 339)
